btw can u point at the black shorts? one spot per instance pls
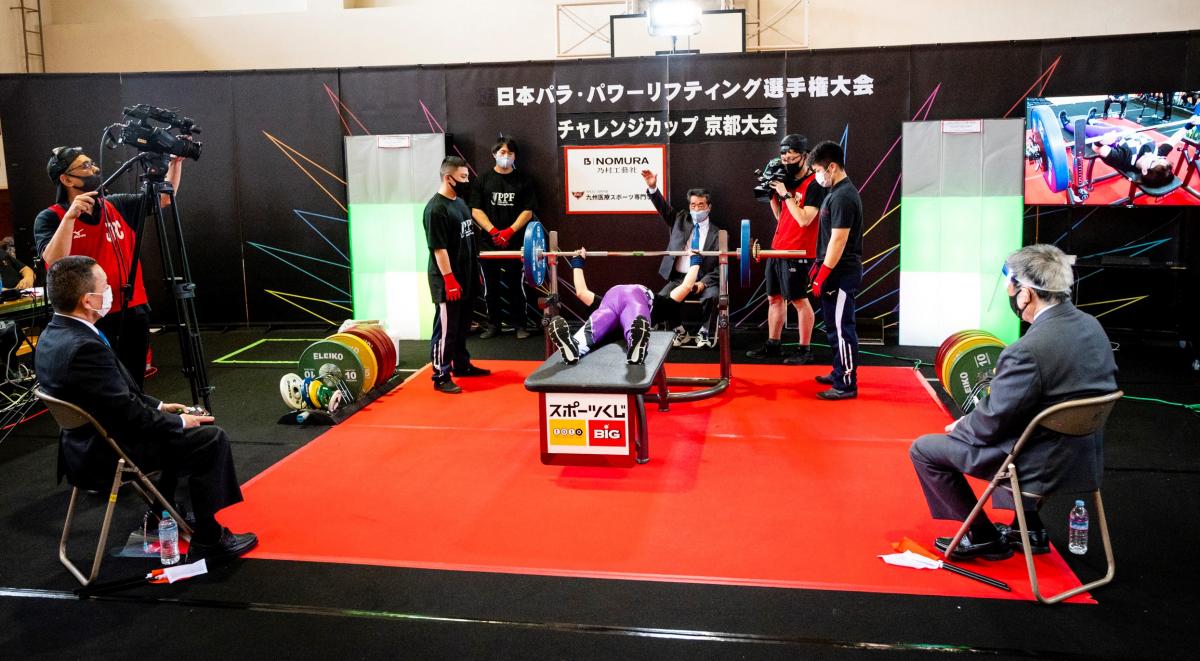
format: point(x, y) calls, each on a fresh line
point(788, 278)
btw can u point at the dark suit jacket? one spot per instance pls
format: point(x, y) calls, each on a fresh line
point(75, 365)
point(1064, 355)
point(681, 237)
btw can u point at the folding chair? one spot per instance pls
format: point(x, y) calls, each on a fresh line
point(1079, 417)
point(70, 416)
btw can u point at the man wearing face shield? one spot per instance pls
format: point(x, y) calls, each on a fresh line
point(795, 204)
point(85, 221)
point(502, 203)
point(675, 269)
point(1064, 355)
point(454, 276)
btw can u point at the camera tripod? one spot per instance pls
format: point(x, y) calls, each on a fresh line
point(183, 290)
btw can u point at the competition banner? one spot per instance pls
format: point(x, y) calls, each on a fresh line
point(578, 423)
point(608, 179)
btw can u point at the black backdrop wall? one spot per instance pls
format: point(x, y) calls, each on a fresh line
point(252, 206)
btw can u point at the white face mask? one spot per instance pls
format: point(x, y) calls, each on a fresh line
point(821, 179)
point(105, 301)
point(505, 162)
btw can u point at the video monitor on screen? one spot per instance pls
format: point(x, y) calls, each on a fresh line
point(1113, 149)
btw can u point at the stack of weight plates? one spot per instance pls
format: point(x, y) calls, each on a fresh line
point(965, 363)
point(337, 370)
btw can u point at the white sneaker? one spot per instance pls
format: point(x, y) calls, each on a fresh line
point(681, 337)
point(704, 341)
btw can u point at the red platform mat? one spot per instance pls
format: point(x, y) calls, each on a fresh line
point(765, 485)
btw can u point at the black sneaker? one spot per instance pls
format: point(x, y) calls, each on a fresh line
point(799, 358)
point(560, 334)
point(834, 394)
point(472, 370)
point(824, 379)
point(639, 341)
point(447, 386)
point(769, 349)
point(488, 333)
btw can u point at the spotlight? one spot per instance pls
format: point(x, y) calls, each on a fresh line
point(674, 18)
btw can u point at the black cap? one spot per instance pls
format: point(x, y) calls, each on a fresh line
point(61, 159)
point(793, 142)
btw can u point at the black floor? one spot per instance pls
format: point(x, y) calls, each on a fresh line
point(283, 609)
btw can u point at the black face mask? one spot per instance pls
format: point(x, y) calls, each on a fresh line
point(461, 188)
point(90, 182)
point(792, 169)
point(1012, 303)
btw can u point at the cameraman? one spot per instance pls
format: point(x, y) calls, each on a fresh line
point(72, 226)
point(795, 202)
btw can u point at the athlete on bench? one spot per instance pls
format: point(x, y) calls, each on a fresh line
point(1135, 155)
point(633, 308)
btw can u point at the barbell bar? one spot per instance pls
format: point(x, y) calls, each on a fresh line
point(535, 256)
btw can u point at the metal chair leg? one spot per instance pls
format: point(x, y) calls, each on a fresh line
point(108, 510)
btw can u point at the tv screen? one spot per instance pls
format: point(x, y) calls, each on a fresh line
point(1113, 149)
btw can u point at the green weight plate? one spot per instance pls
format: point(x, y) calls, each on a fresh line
point(325, 357)
point(972, 367)
point(964, 346)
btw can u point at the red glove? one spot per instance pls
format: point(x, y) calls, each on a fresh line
point(503, 236)
point(453, 290)
point(818, 280)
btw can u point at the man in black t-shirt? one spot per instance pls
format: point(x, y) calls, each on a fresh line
point(837, 272)
point(454, 276)
point(14, 274)
point(72, 226)
point(502, 203)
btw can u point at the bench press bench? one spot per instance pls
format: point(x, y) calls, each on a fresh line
point(593, 413)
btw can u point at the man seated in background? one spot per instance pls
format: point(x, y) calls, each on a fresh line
point(1064, 355)
point(75, 363)
point(13, 273)
point(632, 308)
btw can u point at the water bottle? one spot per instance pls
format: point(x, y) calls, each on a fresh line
point(168, 539)
point(1078, 519)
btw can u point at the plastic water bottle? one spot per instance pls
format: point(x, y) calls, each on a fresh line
point(168, 539)
point(1078, 519)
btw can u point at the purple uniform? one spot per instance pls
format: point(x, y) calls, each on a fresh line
point(619, 305)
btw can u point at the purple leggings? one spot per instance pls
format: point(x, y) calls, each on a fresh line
point(621, 305)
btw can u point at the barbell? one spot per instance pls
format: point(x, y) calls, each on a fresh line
point(535, 256)
point(1052, 150)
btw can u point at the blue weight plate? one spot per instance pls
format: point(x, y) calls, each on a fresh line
point(1047, 133)
point(744, 257)
point(533, 261)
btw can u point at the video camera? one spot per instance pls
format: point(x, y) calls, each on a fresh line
point(140, 133)
point(774, 170)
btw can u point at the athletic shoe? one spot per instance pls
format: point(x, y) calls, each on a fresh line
point(835, 394)
point(824, 379)
point(560, 334)
point(639, 341)
point(472, 370)
point(704, 340)
point(769, 349)
point(489, 332)
point(799, 358)
point(1062, 118)
point(447, 386)
point(522, 334)
point(681, 337)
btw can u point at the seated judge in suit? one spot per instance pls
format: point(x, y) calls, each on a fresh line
point(675, 269)
point(1064, 355)
point(75, 363)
